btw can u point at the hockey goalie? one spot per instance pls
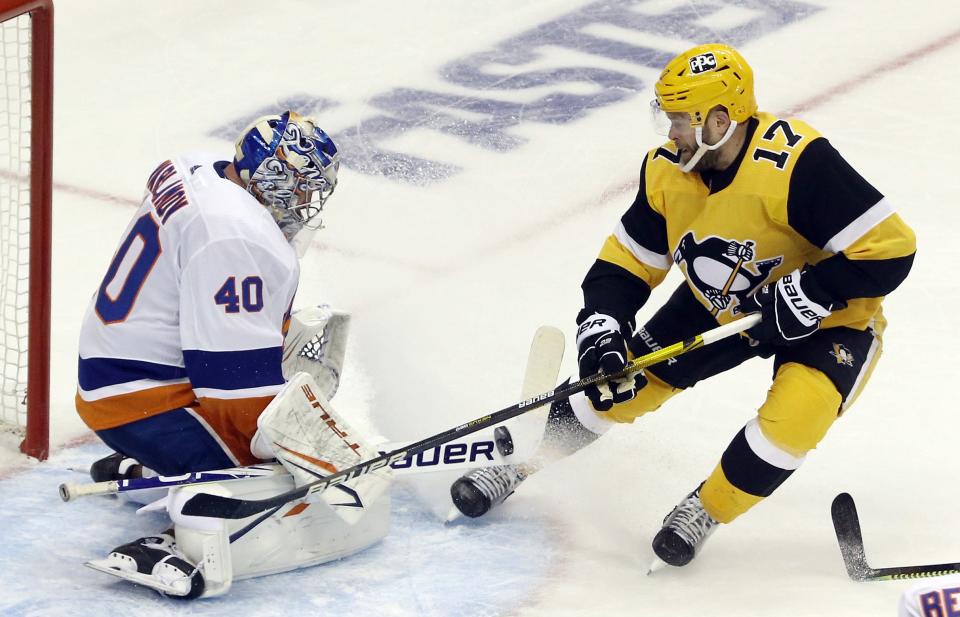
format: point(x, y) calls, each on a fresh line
point(190, 360)
point(201, 556)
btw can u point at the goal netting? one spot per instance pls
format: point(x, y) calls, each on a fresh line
point(15, 217)
point(25, 28)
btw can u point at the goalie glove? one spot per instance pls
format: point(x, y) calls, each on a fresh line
point(601, 347)
point(792, 309)
point(316, 344)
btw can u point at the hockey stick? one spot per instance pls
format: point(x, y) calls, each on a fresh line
point(543, 364)
point(70, 491)
point(469, 454)
point(847, 525)
point(217, 506)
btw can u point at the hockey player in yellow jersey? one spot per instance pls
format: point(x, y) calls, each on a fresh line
point(760, 214)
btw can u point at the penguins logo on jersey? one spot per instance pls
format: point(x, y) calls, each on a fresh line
point(722, 269)
point(842, 354)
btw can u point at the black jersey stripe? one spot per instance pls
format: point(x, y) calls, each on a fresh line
point(643, 224)
point(826, 194)
point(843, 278)
point(747, 471)
point(613, 288)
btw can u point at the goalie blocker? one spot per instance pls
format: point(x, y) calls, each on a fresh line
point(205, 555)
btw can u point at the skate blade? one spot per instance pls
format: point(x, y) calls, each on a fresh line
point(103, 565)
point(656, 564)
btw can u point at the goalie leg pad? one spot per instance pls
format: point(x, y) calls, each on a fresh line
point(297, 536)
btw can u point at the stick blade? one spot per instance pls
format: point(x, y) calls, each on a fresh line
point(543, 363)
point(846, 524)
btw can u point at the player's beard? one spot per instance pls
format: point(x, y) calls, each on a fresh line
point(707, 161)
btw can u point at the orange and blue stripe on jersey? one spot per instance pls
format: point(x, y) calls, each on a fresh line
point(117, 391)
point(227, 390)
point(233, 388)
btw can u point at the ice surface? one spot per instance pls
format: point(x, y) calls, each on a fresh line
point(490, 149)
point(414, 571)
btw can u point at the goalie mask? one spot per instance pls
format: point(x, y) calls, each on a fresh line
point(290, 165)
point(700, 79)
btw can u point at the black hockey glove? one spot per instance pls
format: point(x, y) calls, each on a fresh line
point(601, 347)
point(792, 309)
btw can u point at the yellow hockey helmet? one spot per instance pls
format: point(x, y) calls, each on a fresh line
point(703, 77)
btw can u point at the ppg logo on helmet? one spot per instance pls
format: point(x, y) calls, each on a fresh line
point(703, 63)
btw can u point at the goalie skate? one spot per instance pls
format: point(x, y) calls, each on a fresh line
point(115, 467)
point(153, 562)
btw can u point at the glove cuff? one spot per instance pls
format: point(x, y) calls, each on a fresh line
point(596, 323)
point(799, 294)
point(815, 291)
point(626, 321)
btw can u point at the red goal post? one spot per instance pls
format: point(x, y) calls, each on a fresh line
point(26, 172)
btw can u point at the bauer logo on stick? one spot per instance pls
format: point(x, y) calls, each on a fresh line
point(703, 63)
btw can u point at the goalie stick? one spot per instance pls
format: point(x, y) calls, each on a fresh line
point(217, 506)
point(847, 525)
point(70, 491)
point(456, 454)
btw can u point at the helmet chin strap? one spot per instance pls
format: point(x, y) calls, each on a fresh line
point(703, 148)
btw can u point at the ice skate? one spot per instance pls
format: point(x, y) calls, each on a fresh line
point(115, 467)
point(476, 492)
point(684, 531)
point(154, 562)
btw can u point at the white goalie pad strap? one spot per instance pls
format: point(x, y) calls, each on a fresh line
point(316, 343)
point(311, 440)
point(204, 541)
point(590, 419)
point(767, 450)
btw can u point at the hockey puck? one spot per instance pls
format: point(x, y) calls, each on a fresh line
point(501, 437)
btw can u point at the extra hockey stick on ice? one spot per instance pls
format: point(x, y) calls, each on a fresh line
point(847, 525)
point(227, 507)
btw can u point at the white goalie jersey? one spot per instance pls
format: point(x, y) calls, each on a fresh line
point(938, 597)
point(192, 310)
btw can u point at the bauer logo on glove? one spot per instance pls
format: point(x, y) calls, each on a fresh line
point(792, 309)
point(602, 348)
